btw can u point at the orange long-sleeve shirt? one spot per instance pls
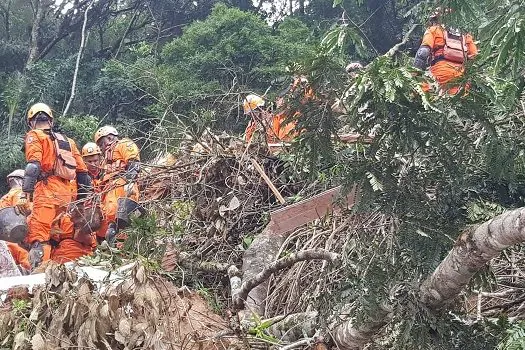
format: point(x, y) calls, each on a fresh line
point(117, 158)
point(434, 38)
point(11, 198)
point(40, 147)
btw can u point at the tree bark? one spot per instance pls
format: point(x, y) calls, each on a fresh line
point(262, 252)
point(38, 16)
point(249, 284)
point(349, 337)
point(77, 64)
point(301, 7)
point(6, 10)
point(473, 250)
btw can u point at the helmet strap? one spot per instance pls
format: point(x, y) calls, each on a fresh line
point(41, 121)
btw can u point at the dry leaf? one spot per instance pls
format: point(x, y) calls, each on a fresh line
point(124, 327)
point(20, 342)
point(38, 342)
point(140, 275)
point(234, 203)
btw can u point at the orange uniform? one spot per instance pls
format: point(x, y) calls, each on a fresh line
point(21, 255)
point(11, 198)
point(277, 131)
point(69, 248)
point(52, 193)
point(443, 70)
point(112, 184)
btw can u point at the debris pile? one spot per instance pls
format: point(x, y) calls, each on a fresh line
point(216, 198)
point(138, 310)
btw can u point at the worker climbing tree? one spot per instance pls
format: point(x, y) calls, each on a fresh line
point(446, 50)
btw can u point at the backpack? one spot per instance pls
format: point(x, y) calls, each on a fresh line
point(455, 49)
point(65, 164)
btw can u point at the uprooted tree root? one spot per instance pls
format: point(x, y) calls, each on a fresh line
point(139, 311)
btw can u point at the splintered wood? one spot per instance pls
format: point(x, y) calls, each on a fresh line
point(308, 210)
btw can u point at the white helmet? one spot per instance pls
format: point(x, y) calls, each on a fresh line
point(251, 102)
point(17, 173)
point(105, 131)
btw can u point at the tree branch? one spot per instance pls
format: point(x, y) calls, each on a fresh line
point(77, 64)
point(472, 251)
point(398, 46)
point(312, 254)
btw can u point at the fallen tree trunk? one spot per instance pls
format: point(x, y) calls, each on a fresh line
point(473, 250)
point(265, 247)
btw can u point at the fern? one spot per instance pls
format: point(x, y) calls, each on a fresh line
point(515, 338)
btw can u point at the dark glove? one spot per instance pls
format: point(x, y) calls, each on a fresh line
point(111, 234)
point(36, 254)
point(132, 170)
point(84, 185)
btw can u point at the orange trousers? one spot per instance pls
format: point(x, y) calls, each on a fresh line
point(110, 201)
point(70, 250)
point(444, 72)
point(51, 197)
point(20, 255)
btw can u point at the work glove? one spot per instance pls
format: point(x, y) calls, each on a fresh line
point(111, 234)
point(36, 254)
point(22, 205)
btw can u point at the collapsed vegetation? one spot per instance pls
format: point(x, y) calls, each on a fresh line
point(437, 167)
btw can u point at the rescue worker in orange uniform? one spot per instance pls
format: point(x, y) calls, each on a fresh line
point(11, 199)
point(76, 241)
point(446, 50)
point(121, 166)
point(55, 175)
point(92, 156)
point(272, 128)
point(75, 234)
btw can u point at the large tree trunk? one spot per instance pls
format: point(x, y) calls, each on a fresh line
point(38, 17)
point(301, 7)
point(262, 252)
point(473, 250)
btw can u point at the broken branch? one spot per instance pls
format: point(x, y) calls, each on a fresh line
point(311, 254)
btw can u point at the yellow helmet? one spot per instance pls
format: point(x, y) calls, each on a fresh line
point(251, 102)
point(39, 108)
point(90, 149)
point(17, 173)
point(105, 131)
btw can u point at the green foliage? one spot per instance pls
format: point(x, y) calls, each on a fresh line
point(515, 338)
point(503, 34)
point(230, 51)
point(81, 128)
point(481, 211)
point(211, 298)
point(142, 238)
point(12, 96)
